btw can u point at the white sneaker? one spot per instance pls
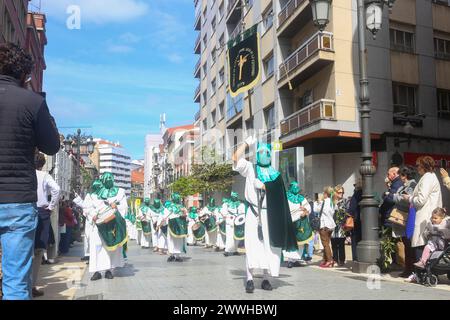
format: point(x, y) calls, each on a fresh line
point(412, 278)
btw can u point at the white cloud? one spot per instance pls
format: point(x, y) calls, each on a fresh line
point(175, 58)
point(98, 11)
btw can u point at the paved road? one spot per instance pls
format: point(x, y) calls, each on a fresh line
point(207, 275)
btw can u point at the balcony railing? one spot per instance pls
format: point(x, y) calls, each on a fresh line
point(197, 44)
point(197, 68)
point(197, 24)
point(197, 94)
point(288, 10)
point(319, 110)
point(319, 41)
point(235, 32)
point(197, 116)
point(232, 5)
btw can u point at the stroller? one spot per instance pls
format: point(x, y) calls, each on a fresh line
point(438, 264)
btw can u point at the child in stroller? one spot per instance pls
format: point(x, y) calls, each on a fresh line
point(435, 258)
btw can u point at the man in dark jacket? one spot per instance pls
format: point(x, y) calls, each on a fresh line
point(388, 198)
point(25, 125)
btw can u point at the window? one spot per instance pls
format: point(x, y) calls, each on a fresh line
point(205, 125)
point(204, 14)
point(249, 124)
point(205, 69)
point(9, 31)
point(268, 66)
point(269, 115)
point(213, 26)
point(306, 99)
point(213, 86)
point(213, 55)
point(443, 103)
point(234, 105)
point(442, 2)
point(213, 118)
point(221, 113)
point(268, 19)
point(404, 97)
point(222, 41)
point(221, 77)
point(402, 40)
point(221, 10)
point(205, 97)
point(442, 48)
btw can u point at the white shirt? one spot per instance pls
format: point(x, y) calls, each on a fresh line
point(46, 185)
point(327, 217)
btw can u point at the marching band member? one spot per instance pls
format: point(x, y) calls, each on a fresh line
point(231, 210)
point(266, 204)
point(192, 219)
point(144, 217)
point(108, 238)
point(161, 227)
point(130, 220)
point(210, 223)
point(175, 217)
point(155, 211)
point(221, 226)
point(300, 210)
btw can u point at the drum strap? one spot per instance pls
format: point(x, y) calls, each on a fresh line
point(252, 207)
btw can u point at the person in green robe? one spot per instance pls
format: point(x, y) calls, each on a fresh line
point(233, 208)
point(144, 217)
point(192, 220)
point(175, 218)
point(156, 210)
point(300, 210)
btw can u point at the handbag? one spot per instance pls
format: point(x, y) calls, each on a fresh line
point(349, 224)
point(398, 217)
point(315, 219)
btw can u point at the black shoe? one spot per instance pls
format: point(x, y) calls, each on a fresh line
point(171, 258)
point(297, 264)
point(290, 265)
point(235, 253)
point(178, 259)
point(308, 259)
point(96, 276)
point(250, 286)
point(266, 285)
point(36, 293)
point(108, 275)
point(85, 258)
point(227, 254)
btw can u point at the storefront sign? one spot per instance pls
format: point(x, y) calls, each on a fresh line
point(441, 160)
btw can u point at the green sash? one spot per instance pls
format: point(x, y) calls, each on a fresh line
point(304, 231)
point(146, 228)
point(178, 227)
point(138, 224)
point(114, 233)
point(199, 234)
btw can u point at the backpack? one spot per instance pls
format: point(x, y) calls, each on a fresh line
point(314, 219)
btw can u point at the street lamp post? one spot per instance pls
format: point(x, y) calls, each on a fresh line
point(370, 14)
point(77, 140)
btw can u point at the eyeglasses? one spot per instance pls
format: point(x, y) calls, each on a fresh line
point(340, 192)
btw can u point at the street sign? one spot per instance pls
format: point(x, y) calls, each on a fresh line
point(277, 146)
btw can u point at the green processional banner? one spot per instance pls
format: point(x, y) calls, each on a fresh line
point(244, 61)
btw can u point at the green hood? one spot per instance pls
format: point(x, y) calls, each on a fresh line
point(264, 171)
point(193, 213)
point(234, 200)
point(108, 190)
point(96, 187)
point(293, 193)
point(212, 204)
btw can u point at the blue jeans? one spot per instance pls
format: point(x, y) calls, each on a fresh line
point(18, 223)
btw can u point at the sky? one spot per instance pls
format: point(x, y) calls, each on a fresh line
point(129, 61)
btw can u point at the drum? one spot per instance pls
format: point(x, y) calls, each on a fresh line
point(239, 227)
point(199, 231)
point(210, 224)
point(106, 215)
point(178, 227)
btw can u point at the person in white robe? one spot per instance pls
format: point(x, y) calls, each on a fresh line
point(210, 223)
point(103, 259)
point(162, 230)
point(156, 209)
point(232, 209)
point(175, 217)
point(192, 219)
point(144, 219)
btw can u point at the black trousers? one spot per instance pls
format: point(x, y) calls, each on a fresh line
point(338, 246)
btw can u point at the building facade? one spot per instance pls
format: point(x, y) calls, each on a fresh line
point(152, 155)
point(308, 95)
point(137, 183)
point(13, 21)
point(112, 157)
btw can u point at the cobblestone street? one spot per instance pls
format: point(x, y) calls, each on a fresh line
point(207, 275)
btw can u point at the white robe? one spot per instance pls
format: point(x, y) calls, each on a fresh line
point(293, 207)
point(259, 254)
point(154, 219)
point(88, 213)
point(162, 239)
point(231, 244)
point(221, 238)
point(142, 239)
point(100, 258)
point(190, 238)
point(175, 245)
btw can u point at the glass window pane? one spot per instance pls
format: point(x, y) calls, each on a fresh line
point(411, 100)
point(408, 40)
point(399, 38)
point(402, 95)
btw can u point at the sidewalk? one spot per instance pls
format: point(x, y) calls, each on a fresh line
point(61, 280)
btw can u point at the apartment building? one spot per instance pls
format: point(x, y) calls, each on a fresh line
point(13, 21)
point(310, 85)
point(152, 152)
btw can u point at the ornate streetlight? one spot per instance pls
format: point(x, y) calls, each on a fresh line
point(72, 144)
point(370, 14)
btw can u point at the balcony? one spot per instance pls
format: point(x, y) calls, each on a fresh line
point(197, 115)
point(197, 69)
point(293, 17)
point(235, 32)
point(315, 112)
point(197, 47)
point(198, 22)
point(313, 55)
point(197, 94)
point(234, 11)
